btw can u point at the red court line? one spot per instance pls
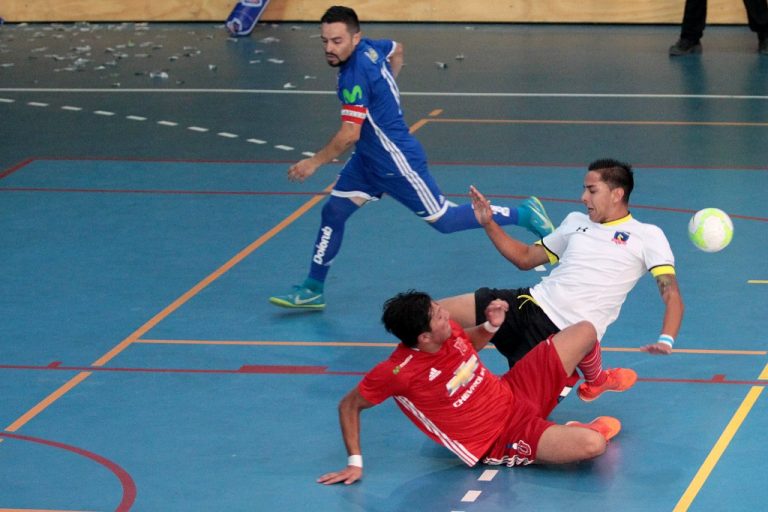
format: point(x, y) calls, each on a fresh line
point(15, 168)
point(315, 370)
point(159, 191)
point(299, 193)
point(126, 482)
point(247, 368)
point(577, 166)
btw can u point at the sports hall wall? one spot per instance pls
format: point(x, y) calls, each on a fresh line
point(522, 11)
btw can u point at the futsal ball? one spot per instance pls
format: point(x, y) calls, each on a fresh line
point(710, 229)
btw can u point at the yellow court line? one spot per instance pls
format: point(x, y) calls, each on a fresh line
point(37, 510)
point(219, 272)
point(74, 381)
point(371, 344)
point(271, 343)
point(418, 124)
point(598, 122)
point(212, 277)
point(167, 311)
point(696, 351)
point(717, 451)
point(133, 337)
point(757, 281)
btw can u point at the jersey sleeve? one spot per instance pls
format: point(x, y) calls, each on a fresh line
point(385, 47)
point(659, 259)
point(380, 383)
point(556, 242)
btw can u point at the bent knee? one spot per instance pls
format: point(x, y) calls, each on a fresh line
point(594, 446)
point(586, 328)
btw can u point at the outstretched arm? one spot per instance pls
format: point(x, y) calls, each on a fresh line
point(349, 417)
point(345, 138)
point(523, 256)
point(673, 314)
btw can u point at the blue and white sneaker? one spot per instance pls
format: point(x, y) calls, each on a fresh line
point(300, 298)
point(536, 221)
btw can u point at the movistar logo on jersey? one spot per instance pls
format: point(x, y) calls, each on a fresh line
point(353, 96)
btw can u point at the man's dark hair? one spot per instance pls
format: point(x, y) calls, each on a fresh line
point(406, 315)
point(616, 174)
point(341, 14)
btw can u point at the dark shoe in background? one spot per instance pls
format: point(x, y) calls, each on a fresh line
point(684, 47)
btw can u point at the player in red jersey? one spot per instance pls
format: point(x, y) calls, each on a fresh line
point(439, 382)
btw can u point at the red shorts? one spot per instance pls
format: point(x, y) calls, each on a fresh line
point(536, 381)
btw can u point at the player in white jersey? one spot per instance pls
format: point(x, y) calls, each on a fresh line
point(387, 159)
point(601, 255)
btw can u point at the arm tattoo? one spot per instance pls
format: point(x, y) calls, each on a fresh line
point(666, 282)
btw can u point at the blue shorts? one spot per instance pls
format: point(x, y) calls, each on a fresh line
point(408, 182)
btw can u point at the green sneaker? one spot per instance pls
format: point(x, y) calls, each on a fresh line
point(300, 298)
point(537, 222)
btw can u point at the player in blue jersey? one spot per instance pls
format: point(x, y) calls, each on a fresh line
point(387, 158)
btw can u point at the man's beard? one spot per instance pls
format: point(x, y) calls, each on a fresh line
point(337, 63)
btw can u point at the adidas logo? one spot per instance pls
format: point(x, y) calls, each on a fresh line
point(433, 374)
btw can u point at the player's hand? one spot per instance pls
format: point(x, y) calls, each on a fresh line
point(496, 311)
point(302, 170)
point(348, 475)
point(481, 205)
point(657, 349)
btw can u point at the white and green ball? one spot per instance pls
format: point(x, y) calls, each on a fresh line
point(710, 229)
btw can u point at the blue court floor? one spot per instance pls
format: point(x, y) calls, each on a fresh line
point(144, 221)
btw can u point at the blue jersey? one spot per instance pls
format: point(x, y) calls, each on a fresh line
point(370, 98)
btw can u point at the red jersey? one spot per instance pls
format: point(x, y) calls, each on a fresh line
point(450, 395)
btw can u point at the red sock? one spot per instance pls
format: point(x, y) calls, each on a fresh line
point(592, 366)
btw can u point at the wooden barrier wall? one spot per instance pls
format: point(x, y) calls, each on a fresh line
point(522, 11)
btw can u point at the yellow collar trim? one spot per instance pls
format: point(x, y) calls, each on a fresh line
point(622, 220)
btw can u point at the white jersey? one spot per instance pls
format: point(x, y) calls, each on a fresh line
point(599, 265)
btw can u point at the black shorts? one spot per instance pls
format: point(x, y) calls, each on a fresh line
point(525, 326)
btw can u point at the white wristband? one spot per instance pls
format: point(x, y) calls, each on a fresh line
point(488, 326)
point(355, 460)
point(666, 339)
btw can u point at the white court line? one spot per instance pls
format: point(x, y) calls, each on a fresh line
point(197, 129)
point(402, 93)
point(471, 496)
point(168, 123)
point(36, 104)
point(71, 108)
point(284, 148)
point(257, 141)
point(227, 135)
point(136, 118)
point(488, 475)
point(308, 153)
point(103, 113)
